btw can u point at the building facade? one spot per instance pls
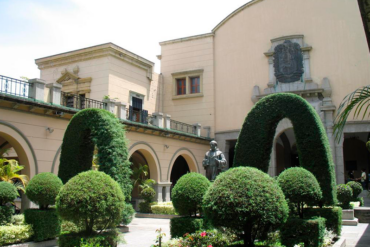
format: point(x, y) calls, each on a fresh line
point(207, 85)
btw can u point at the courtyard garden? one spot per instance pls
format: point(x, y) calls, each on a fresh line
point(243, 206)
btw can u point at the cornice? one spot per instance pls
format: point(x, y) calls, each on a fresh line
point(201, 36)
point(95, 52)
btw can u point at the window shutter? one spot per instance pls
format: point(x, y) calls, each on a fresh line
point(144, 117)
point(130, 113)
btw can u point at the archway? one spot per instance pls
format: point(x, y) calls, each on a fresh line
point(355, 154)
point(255, 141)
point(286, 153)
point(100, 128)
point(21, 150)
point(180, 168)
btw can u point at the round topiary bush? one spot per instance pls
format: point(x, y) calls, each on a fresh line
point(148, 194)
point(8, 193)
point(299, 186)
point(247, 200)
point(356, 189)
point(344, 195)
point(91, 199)
point(43, 189)
point(187, 195)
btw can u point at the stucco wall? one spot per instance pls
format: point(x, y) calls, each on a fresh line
point(333, 28)
point(125, 77)
point(97, 68)
point(183, 56)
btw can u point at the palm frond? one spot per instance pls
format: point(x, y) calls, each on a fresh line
point(356, 101)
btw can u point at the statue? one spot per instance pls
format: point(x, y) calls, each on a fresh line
point(214, 162)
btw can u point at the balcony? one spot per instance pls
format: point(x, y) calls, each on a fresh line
point(59, 103)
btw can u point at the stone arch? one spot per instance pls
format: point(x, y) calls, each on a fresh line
point(24, 150)
point(188, 156)
point(256, 138)
point(151, 157)
point(56, 159)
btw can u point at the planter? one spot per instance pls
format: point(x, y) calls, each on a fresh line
point(348, 218)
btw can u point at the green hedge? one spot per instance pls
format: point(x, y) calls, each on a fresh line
point(105, 239)
point(6, 213)
point(164, 208)
point(310, 232)
point(98, 127)
point(13, 234)
point(333, 217)
point(180, 226)
point(45, 223)
point(255, 141)
point(345, 195)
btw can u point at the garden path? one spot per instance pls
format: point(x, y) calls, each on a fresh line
point(142, 232)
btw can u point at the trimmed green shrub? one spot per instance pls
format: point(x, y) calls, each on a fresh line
point(356, 189)
point(68, 226)
point(148, 194)
point(180, 226)
point(164, 208)
point(128, 214)
point(361, 200)
point(299, 187)
point(18, 219)
point(145, 207)
point(255, 141)
point(13, 234)
point(187, 195)
point(6, 213)
point(91, 199)
point(45, 223)
point(246, 199)
point(8, 193)
point(98, 127)
point(43, 189)
point(310, 232)
point(104, 239)
point(333, 217)
point(345, 195)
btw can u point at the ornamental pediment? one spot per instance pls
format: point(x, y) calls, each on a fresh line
point(67, 76)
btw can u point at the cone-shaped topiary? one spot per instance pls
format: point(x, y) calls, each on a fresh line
point(91, 199)
point(299, 187)
point(356, 189)
point(43, 189)
point(8, 193)
point(245, 199)
point(344, 195)
point(187, 195)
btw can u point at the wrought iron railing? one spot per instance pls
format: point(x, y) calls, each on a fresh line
point(139, 116)
point(187, 128)
point(80, 102)
point(14, 86)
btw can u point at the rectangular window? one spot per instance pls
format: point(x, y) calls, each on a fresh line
point(194, 85)
point(181, 86)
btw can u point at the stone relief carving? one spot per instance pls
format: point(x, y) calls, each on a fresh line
point(288, 62)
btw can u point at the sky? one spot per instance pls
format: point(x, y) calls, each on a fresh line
point(31, 29)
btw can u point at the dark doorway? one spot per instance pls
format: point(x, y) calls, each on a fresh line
point(180, 168)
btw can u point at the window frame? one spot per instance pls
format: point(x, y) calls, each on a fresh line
point(187, 75)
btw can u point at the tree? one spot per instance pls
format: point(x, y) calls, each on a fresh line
point(359, 101)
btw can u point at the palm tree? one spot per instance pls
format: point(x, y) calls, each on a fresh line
point(359, 101)
point(9, 173)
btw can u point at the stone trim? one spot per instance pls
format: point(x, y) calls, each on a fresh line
point(103, 50)
point(200, 36)
point(235, 13)
point(187, 74)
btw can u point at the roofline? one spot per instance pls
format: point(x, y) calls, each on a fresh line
point(234, 13)
point(109, 44)
point(200, 36)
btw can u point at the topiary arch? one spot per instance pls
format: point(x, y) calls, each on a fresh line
point(256, 138)
point(98, 127)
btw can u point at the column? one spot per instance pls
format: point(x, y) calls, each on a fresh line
point(158, 189)
point(167, 120)
point(121, 110)
point(109, 105)
point(339, 161)
point(36, 89)
point(55, 91)
point(197, 128)
point(158, 119)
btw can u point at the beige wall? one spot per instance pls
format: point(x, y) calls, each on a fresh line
point(333, 28)
point(97, 68)
point(189, 55)
point(125, 78)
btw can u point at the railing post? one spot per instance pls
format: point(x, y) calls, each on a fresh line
point(109, 105)
point(197, 128)
point(208, 128)
point(55, 91)
point(36, 89)
point(158, 119)
point(121, 110)
point(167, 121)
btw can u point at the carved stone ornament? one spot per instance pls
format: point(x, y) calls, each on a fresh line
point(288, 62)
